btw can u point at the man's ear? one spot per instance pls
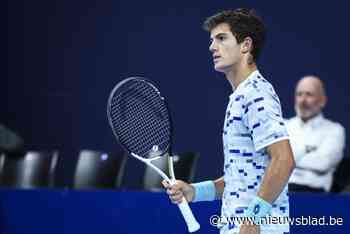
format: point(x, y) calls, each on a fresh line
point(324, 101)
point(247, 45)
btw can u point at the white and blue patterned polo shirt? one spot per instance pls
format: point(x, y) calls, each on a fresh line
point(253, 121)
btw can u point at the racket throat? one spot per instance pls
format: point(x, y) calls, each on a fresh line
point(148, 162)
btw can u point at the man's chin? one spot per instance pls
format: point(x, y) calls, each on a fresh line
point(303, 114)
point(220, 68)
point(306, 116)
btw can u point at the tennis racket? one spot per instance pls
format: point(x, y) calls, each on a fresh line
point(140, 120)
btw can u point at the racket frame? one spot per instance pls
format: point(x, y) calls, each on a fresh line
point(190, 220)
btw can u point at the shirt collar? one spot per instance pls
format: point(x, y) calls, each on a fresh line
point(251, 76)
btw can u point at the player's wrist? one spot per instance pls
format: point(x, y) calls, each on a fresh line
point(258, 209)
point(204, 191)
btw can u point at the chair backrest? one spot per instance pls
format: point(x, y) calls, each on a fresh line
point(151, 179)
point(346, 189)
point(34, 169)
point(100, 170)
point(184, 168)
point(341, 178)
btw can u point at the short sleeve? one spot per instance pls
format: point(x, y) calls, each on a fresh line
point(262, 115)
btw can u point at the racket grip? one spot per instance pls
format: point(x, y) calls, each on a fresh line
point(190, 220)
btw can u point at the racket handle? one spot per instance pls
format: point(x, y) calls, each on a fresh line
point(186, 212)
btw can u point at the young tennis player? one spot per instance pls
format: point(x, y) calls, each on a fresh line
point(258, 157)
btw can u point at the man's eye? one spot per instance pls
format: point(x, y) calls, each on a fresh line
point(309, 94)
point(221, 38)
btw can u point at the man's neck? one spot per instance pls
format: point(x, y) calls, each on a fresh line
point(237, 75)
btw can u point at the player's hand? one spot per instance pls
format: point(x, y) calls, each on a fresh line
point(249, 229)
point(178, 190)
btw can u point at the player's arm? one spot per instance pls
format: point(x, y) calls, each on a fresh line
point(263, 118)
point(203, 191)
point(278, 172)
point(275, 178)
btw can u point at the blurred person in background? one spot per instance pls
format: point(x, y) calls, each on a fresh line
point(317, 142)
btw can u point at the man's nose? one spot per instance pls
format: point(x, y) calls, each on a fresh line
point(212, 47)
point(303, 102)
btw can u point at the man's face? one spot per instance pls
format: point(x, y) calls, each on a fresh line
point(224, 47)
point(309, 99)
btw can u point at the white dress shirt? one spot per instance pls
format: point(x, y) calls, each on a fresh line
point(318, 146)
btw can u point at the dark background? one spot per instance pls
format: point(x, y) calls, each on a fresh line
point(64, 57)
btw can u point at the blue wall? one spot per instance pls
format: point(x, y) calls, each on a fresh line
point(64, 57)
point(71, 212)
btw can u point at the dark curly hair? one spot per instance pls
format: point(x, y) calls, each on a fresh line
point(243, 23)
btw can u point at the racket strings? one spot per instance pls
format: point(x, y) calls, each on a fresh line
point(140, 118)
point(142, 125)
point(134, 106)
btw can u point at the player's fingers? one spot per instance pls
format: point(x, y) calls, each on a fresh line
point(165, 184)
point(177, 198)
point(177, 185)
point(170, 191)
point(172, 187)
